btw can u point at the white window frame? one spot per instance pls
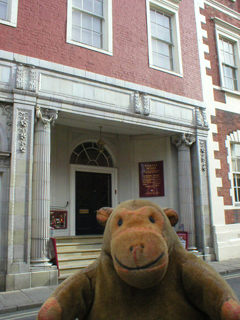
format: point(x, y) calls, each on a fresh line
point(107, 37)
point(234, 174)
point(229, 33)
point(12, 13)
point(171, 9)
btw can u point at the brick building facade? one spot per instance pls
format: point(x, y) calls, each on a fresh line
point(219, 37)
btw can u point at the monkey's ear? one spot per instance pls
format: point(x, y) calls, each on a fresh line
point(103, 214)
point(172, 216)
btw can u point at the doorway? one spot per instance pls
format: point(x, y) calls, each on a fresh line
point(93, 191)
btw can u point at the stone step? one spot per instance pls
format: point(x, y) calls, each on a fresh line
point(70, 247)
point(75, 253)
point(80, 239)
point(70, 269)
point(79, 254)
point(75, 260)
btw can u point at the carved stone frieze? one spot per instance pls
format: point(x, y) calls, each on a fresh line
point(7, 110)
point(201, 117)
point(183, 138)
point(146, 107)
point(136, 102)
point(46, 115)
point(32, 79)
point(141, 103)
point(4, 159)
point(203, 155)
point(22, 131)
point(20, 77)
point(26, 78)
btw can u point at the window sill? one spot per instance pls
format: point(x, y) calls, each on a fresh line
point(8, 23)
point(167, 71)
point(79, 44)
point(231, 92)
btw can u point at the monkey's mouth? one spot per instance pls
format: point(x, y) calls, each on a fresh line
point(146, 266)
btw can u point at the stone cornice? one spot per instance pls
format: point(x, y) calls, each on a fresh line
point(223, 8)
point(224, 24)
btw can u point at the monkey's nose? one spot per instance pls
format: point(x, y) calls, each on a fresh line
point(137, 251)
point(140, 246)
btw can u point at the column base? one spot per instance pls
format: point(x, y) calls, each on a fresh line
point(40, 263)
point(35, 278)
point(44, 276)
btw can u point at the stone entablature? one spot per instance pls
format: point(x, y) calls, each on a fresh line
point(73, 90)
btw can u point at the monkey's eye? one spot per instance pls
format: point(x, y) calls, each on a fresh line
point(151, 219)
point(120, 222)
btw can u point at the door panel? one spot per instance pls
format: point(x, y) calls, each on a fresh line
point(93, 191)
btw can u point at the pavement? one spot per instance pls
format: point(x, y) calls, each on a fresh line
point(33, 298)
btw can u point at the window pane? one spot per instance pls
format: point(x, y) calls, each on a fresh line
point(234, 165)
point(76, 34)
point(155, 59)
point(159, 18)
point(154, 45)
point(76, 18)
point(3, 10)
point(77, 3)
point(166, 22)
point(87, 37)
point(230, 81)
point(98, 7)
point(97, 25)
point(88, 5)
point(87, 21)
point(237, 149)
point(152, 16)
point(163, 33)
point(154, 29)
point(164, 49)
point(97, 39)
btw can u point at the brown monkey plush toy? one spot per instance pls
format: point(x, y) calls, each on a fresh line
point(143, 273)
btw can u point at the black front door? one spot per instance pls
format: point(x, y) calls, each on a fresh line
point(93, 191)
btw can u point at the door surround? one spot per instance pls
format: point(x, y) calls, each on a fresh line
point(95, 169)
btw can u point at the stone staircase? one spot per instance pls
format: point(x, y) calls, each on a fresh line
point(75, 253)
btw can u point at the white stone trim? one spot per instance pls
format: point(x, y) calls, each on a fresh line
point(172, 10)
point(12, 14)
point(73, 169)
point(107, 29)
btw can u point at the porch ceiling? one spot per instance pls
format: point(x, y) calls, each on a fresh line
point(112, 126)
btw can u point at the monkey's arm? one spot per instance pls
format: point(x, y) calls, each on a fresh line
point(209, 291)
point(73, 298)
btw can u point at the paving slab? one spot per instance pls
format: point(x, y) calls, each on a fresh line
point(37, 295)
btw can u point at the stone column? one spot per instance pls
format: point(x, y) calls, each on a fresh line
point(186, 219)
point(41, 187)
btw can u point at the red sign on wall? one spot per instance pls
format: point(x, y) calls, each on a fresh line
point(151, 180)
point(58, 219)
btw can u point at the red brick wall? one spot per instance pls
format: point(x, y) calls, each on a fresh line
point(226, 122)
point(210, 13)
point(232, 216)
point(232, 5)
point(41, 33)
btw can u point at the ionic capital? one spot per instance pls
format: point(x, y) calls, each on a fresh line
point(46, 115)
point(183, 138)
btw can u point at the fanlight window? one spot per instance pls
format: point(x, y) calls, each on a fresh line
point(88, 154)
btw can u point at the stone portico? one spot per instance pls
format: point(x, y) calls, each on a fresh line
point(140, 124)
